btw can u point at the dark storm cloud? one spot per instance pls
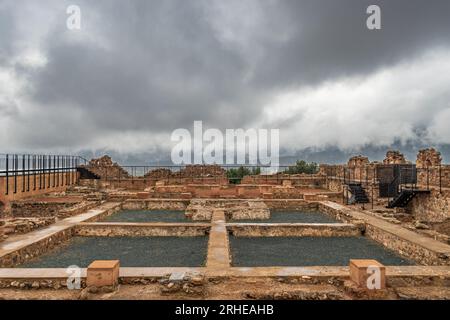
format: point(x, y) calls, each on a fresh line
point(153, 66)
point(163, 68)
point(331, 39)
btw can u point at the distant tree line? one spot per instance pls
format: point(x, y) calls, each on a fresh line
point(235, 175)
point(301, 166)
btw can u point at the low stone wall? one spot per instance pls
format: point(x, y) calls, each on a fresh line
point(293, 230)
point(36, 249)
point(248, 210)
point(339, 215)
point(141, 229)
point(155, 204)
point(303, 180)
point(406, 248)
point(38, 209)
point(283, 204)
point(58, 209)
point(25, 225)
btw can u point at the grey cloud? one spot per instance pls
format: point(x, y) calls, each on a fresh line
point(153, 66)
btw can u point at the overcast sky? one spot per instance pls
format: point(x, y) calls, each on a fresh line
point(137, 70)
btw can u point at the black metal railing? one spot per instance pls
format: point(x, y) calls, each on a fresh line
point(37, 172)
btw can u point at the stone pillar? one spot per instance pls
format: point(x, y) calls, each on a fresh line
point(368, 274)
point(103, 273)
point(357, 165)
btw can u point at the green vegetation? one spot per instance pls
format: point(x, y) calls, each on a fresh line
point(235, 175)
point(302, 166)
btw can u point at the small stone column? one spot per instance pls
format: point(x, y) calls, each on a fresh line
point(103, 273)
point(368, 274)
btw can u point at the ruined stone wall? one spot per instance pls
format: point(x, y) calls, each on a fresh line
point(434, 176)
point(190, 171)
point(428, 158)
point(106, 169)
point(293, 230)
point(394, 157)
point(37, 209)
point(301, 180)
point(25, 225)
point(155, 204)
point(300, 205)
point(406, 248)
point(141, 230)
point(433, 207)
point(36, 249)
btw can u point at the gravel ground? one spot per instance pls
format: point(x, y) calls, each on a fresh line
point(308, 251)
point(131, 251)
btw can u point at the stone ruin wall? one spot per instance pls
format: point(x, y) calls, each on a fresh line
point(430, 170)
point(300, 180)
point(106, 169)
point(434, 208)
point(394, 157)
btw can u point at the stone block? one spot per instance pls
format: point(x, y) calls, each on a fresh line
point(310, 197)
point(362, 269)
point(101, 273)
point(143, 195)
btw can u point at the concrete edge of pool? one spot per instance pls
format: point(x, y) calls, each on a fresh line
point(425, 273)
